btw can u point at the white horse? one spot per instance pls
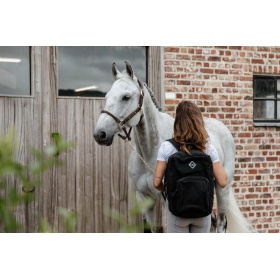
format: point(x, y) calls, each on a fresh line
point(130, 104)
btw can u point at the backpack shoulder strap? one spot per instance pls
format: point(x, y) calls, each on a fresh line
point(172, 141)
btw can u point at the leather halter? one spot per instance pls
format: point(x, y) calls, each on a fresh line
point(121, 124)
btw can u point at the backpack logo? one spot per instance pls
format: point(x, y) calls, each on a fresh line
point(192, 165)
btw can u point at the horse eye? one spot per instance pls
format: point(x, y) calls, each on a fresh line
point(126, 97)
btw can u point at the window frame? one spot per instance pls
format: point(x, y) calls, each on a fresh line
point(31, 76)
point(275, 99)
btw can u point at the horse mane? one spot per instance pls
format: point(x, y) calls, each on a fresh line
point(153, 98)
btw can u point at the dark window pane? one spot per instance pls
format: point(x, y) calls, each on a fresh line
point(87, 71)
point(278, 88)
point(263, 109)
point(14, 71)
point(264, 88)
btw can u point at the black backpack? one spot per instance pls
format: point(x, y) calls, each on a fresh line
point(189, 183)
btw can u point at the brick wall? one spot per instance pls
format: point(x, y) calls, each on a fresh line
point(220, 81)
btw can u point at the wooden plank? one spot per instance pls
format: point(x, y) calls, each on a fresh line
point(16, 119)
point(98, 175)
point(45, 190)
point(52, 68)
point(89, 167)
point(34, 134)
point(49, 125)
point(29, 141)
point(36, 74)
point(62, 170)
point(80, 164)
point(71, 135)
point(155, 73)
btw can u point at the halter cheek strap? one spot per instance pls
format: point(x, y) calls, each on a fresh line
point(121, 124)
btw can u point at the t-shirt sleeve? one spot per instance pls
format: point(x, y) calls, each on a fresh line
point(166, 149)
point(161, 155)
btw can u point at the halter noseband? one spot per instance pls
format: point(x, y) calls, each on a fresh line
point(121, 124)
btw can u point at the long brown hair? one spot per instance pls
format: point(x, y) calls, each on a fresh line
point(189, 126)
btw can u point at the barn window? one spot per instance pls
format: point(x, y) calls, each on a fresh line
point(87, 71)
point(266, 100)
point(15, 71)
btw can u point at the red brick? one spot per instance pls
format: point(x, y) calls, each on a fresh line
point(221, 71)
point(207, 70)
point(171, 62)
point(183, 57)
point(272, 158)
point(245, 78)
point(228, 84)
point(183, 82)
point(171, 50)
point(198, 57)
point(252, 171)
point(263, 49)
point(214, 58)
point(275, 49)
point(172, 75)
point(251, 196)
point(235, 48)
point(257, 61)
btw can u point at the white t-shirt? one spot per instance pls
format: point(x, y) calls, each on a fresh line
point(167, 149)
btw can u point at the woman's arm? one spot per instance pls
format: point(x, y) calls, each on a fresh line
point(158, 175)
point(220, 174)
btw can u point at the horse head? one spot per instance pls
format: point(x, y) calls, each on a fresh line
point(122, 107)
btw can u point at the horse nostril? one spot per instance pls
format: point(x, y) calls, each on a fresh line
point(102, 135)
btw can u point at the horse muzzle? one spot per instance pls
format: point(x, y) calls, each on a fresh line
point(102, 138)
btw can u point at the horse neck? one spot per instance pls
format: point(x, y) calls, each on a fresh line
point(147, 134)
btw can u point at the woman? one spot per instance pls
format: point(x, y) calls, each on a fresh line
point(188, 127)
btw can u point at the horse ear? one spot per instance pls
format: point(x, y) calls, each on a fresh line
point(129, 70)
point(116, 73)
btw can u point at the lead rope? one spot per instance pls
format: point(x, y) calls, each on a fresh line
point(146, 164)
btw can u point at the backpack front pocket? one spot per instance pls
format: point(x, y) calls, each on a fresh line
point(193, 197)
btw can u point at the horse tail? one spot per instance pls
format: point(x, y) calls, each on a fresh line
point(236, 222)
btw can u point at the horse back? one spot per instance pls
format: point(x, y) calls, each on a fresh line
point(222, 139)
